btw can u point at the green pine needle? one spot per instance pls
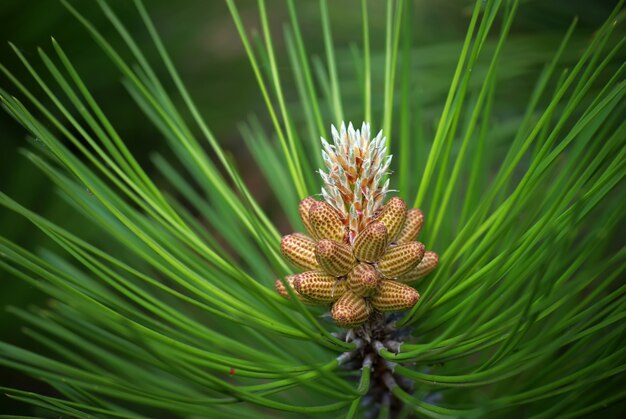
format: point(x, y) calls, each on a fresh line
point(172, 311)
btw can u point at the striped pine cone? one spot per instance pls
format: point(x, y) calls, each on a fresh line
point(361, 253)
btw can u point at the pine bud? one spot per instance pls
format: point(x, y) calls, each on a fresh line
point(304, 208)
point(371, 243)
point(350, 310)
point(364, 279)
point(280, 288)
point(392, 216)
point(319, 286)
point(299, 250)
point(427, 265)
point(394, 296)
point(326, 222)
point(412, 226)
point(400, 259)
point(360, 249)
point(334, 258)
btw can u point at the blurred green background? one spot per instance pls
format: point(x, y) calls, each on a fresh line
point(204, 45)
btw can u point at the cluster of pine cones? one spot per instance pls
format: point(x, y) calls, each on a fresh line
point(359, 276)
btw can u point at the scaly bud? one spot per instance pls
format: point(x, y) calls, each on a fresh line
point(412, 226)
point(304, 208)
point(319, 287)
point(334, 258)
point(371, 243)
point(299, 250)
point(363, 280)
point(326, 222)
point(350, 310)
point(392, 216)
point(280, 288)
point(427, 265)
point(361, 251)
point(394, 296)
point(356, 164)
point(400, 259)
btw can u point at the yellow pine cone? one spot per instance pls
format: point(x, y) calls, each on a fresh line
point(370, 244)
point(299, 250)
point(280, 288)
point(394, 296)
point(319, 286)
point(412, 226)
point(365, 276)
point(334, 258)
point(350, 310)
point(363, 280)
point(326, 222)
point(400, 259)
point(362, 249)
point(370, 274)
point(303, 209)
point(428, 263)
point(392, 216)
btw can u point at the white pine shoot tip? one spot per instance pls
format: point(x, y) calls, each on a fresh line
point(356, 165)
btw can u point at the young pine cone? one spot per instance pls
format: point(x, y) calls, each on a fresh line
point(359, 254)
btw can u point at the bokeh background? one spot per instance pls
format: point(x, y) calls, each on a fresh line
point(205, 46)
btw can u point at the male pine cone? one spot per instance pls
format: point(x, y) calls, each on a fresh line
point(359, 254)
point(369, 275)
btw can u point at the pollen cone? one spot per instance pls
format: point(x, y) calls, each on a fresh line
point(280, 288)
point(350, 310)
point(427, 265)
point(319, 286)
point(400, 259)
point(326, 222)
point(364, 279)
point(299, 250)
point(334, 258)
point(392, 216)
point(370, 244)
point(412, 226)
point(394, 296)
point(304, 208)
